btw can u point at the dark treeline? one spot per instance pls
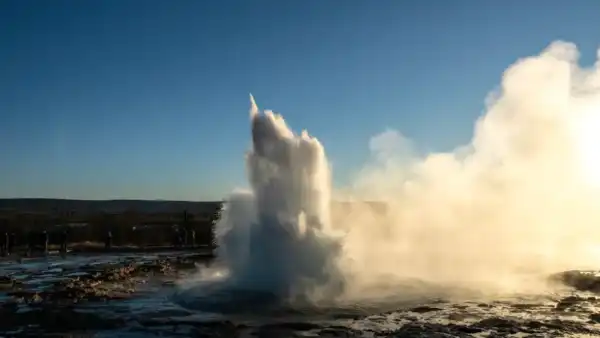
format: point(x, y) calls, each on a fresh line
point(125, 228)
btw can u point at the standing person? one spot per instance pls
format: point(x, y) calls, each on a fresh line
point(63, 241)
point(137, 236)
point(179, 238)
point(4, 246)
point(7, 243)
point(193, 238)
point(46, 239)
point(108, 240)
point(185, 237)
point(175, 237)
point(12, 243)
point(31, 239)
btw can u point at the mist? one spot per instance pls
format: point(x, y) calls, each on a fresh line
point(521, 200)
point(495, 216)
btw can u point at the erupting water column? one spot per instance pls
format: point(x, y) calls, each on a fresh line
point(277, 239)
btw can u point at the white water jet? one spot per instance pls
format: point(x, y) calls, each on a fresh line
point(278, 237)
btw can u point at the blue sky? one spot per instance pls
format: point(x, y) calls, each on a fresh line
point(149, 99)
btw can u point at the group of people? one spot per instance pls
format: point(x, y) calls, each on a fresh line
point(32, 241)
point(40, 241)
point(7, 243)
point(182, 237)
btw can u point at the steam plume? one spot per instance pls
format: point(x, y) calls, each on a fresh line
point(518, 202)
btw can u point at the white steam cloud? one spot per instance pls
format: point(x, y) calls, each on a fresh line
point(523, 196)
point(521, 200)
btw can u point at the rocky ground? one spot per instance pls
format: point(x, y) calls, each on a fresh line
point(129, 296)
point(45, 298)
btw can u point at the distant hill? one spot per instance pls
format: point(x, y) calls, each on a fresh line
point(51, 205)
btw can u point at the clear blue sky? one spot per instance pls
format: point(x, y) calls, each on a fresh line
point(149, 99)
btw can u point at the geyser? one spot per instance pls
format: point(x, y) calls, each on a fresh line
point(275, 242)
point(278, 238)
point(520, 201)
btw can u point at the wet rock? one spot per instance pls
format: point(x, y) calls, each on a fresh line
point(198, 329)
point(184, 264)
point(339, 331)
point(424, 309)
point(46, 320)
point(563, 327)
point(579, 280)
point(434, 330)
point(525, 306)
point(460, 306)
point(504, 326)
point(27, 297)
point(568, 302)
point(459, 316)
point(347, 315)
point(6, 282)
point(296, 326)
point(595, 317)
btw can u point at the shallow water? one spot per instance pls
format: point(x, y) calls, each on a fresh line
point(153, 305)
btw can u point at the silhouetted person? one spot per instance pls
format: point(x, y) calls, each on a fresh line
point(63, 241)
point(8, 245)
point(46, 241)
point(31, 241)
point(4, 242)
point(12, 243)
point(185, 237)
point(175, 238)
point(137, 237)
point(108, 240)
point(193, 233)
